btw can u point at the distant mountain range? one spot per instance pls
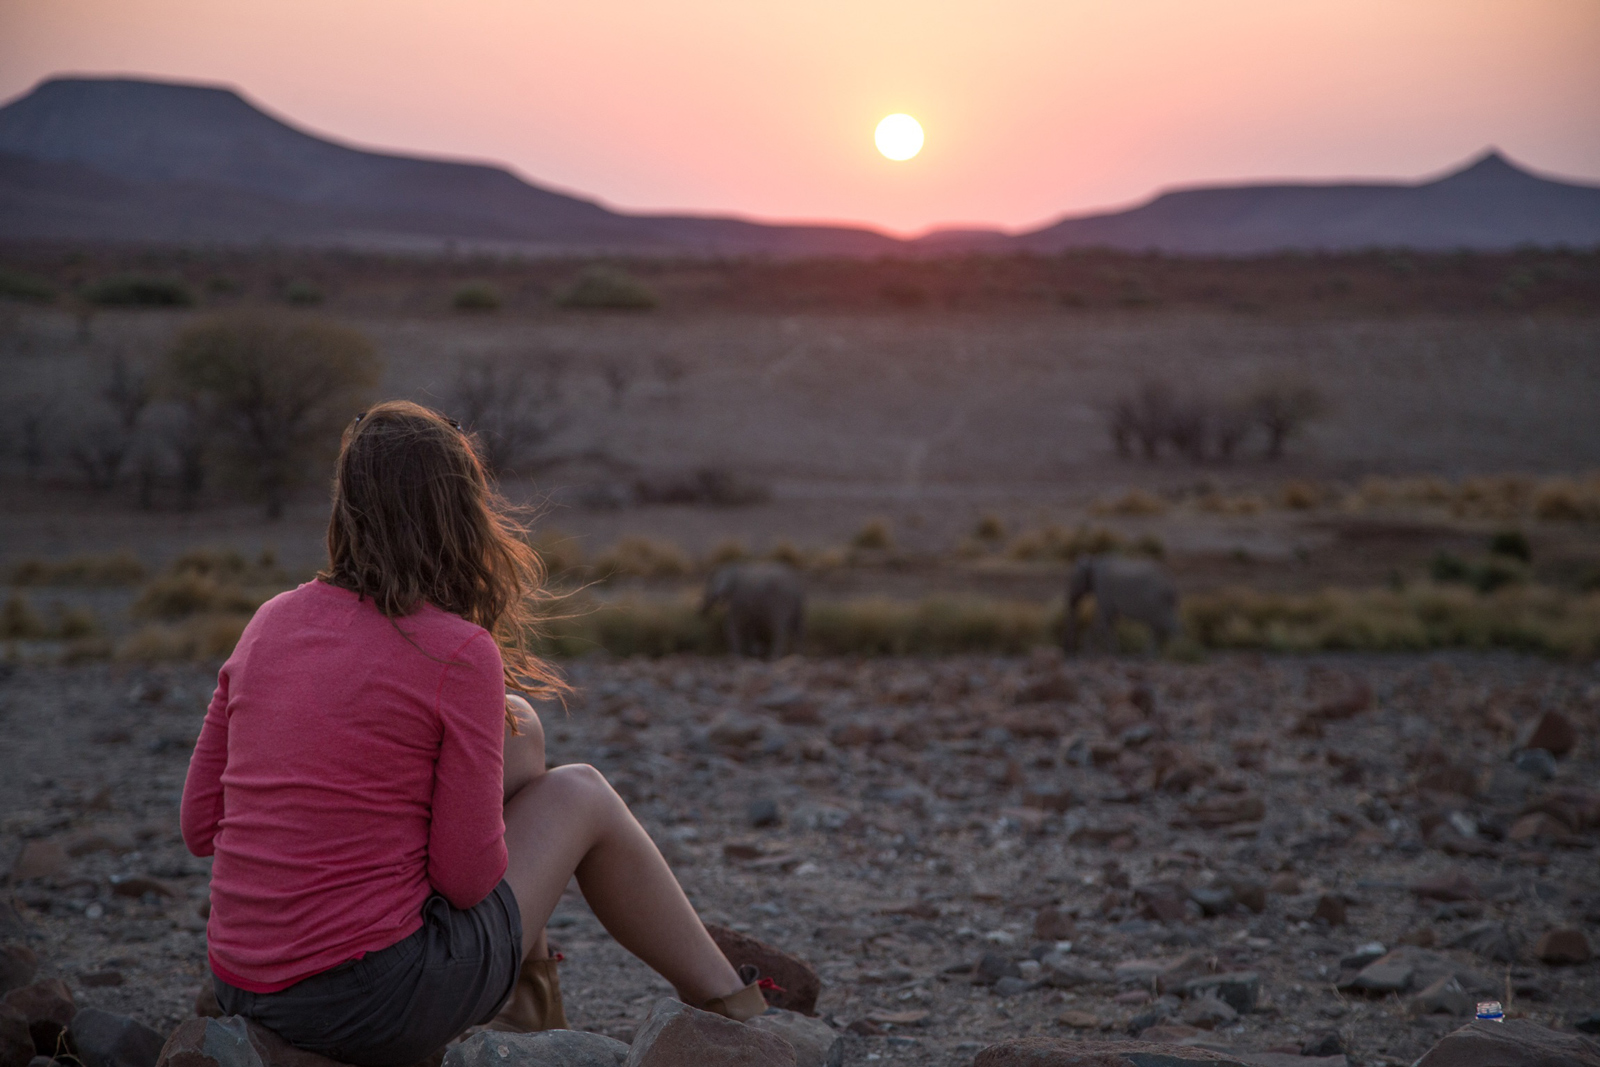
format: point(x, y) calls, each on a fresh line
point(117, 159)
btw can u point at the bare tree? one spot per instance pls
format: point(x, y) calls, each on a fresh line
point(104, 444)
point(509, 408)
point(617, 373)
point(1231, 422)
point(1282, 409)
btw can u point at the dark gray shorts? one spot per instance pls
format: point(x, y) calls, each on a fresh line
point(401, 1004)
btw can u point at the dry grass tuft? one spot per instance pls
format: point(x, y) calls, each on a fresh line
point(641, 557)
point(112, 569)
point(207, 636)
point(1133, 502)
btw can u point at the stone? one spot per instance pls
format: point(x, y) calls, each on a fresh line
point(1285, 884)
point(1166, 902)
point(105, 1039)
point(206, 1005)
point(991, 967)
point(1330, 909)
point(1563, 945)
point(1453, 885)
point(1443, 997)
point(1589, 1024)
point(49, 1008)
point(1079, 1020)
point(1054, 924)
point(1062, 971)
point(1208, 1011)
point(16, 1043)
point(815, 1043)
point(798, 983)
point(1513, 1043)
point(233, 1041)
point(1225, 810)
point(18, 965)
point(1492, 941)
point(1251, 894)
point(568, 1048)
point(137, 886)
point(39, 859)
point(1054, 1052)
point(676, 1035)
point(1327, 1043)
point(763, 813)
point(1240, 990)
point(1009, 986)
point(1363, 955)
point(1391, 973)
point(1537, 827)
point(1213, 899)
point(1536, 762)
point(1551, 731)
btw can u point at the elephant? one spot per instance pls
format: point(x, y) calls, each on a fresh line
point(1138, 589)
point(765, 605)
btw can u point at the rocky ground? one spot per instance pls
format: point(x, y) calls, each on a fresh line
point(967, 849)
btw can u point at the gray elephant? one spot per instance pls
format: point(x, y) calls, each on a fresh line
point(1137, 589)
point(765, 604)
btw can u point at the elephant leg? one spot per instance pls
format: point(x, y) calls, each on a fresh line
point(731, 628)
point(1105, 628)
point(780, 634)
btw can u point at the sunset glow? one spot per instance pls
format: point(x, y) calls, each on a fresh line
point(1040, 107)
point(899, 137)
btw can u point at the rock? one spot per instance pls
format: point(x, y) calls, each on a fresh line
point(991, 967)
point(763, 812)
point(12, 928)
point(1208, 1011)
point(1052, 1052)
point(1079, 1020)
point(1537, 762)
point(1166, 902)
point(1251, 894)
point(566, 1048)
point(1213, 899)
point(1054, 924)
point(1552, 732)
point(815, 1043)
point(233, 1041)
point(1225, 810)
point(1590, 1025)
point(1537, 827)
point(1452, 885)
point(1363, 955)
point(105, 1039)
point(136, 886)
point(1391, 973)
point(1563, 945)
point(1009, 986)
point(18, 965)
point(1327, 1043)
point(1443, 997)
point(49, 1008)
point(1064, 972)
point(16, 1043)
point(39, 859)
point(1492, 941)
point(1330, 909)
point(1240, 990)
point(676, 1035)
point(1513, 1043)
point(798, 982)
point(1285, 884)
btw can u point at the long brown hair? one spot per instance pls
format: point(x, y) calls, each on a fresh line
point(415, 521)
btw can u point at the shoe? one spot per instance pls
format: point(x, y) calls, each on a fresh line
point(535, 1002)
point(748, 1002)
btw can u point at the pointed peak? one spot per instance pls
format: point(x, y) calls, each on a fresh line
point(1491, 164)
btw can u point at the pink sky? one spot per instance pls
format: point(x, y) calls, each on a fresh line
point(1033, 108)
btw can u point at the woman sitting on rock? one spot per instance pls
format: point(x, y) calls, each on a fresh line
point(388, 841)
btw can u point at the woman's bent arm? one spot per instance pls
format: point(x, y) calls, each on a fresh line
point(466, 846)
point(201, 812)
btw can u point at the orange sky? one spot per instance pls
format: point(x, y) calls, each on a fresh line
point(1032, 108)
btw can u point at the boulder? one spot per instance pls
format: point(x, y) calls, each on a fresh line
point(1389, 973)
point(1443, 997)
point(1240, 990)
point(798, 984)
point(676, 1035)
point(1053, 1052)
point(815, 1043)
point(1551, 731)
point(1513, 1043)
point(1450, 886)
point(16, 1043)
point(1492, 941)
point(547, 1048)
point(1563, 945)
point(49, 1008)
point(233, 1041)
point(105, 1039)
point(18, 965)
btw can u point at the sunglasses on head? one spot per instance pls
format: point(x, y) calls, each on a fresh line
point(456, 425)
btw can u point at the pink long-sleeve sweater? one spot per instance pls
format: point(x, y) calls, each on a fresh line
point(343, 774)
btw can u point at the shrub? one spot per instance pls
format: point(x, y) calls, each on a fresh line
point(1512, 543)
point(728, 551)
point(210, 636)
point(1054, 543)
point(717, 486)
point(989, 528)
point(302, 293)
point(1448, 567)
point(27, 288)
point(603, 289)
point(560, 553)
point(787, 552)
point(1283, 409)
point(134, 290)
point(114, 569)
point(1563, 499)
point(476, 296)
point(640, 557)
point(873, 537)
point(178, 596)
point(275, 394)
point(18, 620)
point(1133, 502)
point(1300, 496)
point(632, 627)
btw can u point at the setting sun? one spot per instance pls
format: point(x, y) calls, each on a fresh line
point(899, 137)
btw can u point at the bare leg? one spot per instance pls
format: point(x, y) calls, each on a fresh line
point(524, 761)
point(569, 820)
